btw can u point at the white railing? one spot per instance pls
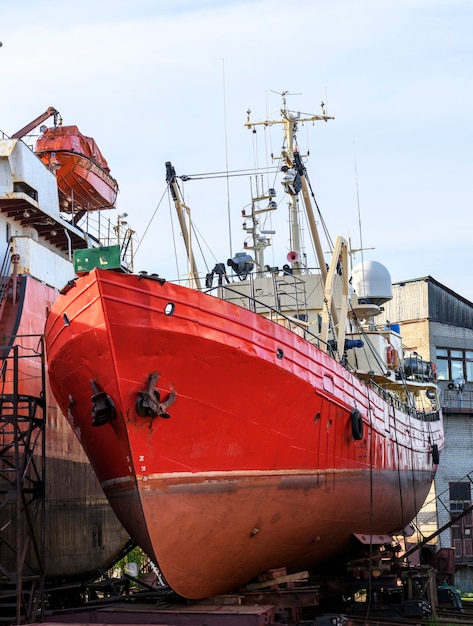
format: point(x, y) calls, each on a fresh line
point(102, 231)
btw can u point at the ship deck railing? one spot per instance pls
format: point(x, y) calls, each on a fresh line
point(301, 328)
point(100, 230)
point(5, 278)
point(288, 294)
point(397, 403)
point(274, 313)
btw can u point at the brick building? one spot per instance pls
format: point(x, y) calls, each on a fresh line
point(437, 324)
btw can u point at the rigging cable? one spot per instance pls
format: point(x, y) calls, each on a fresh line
point(319, 212)
point(226, 158)
point(359, 219)
point(370, 414)
point(412, 456)
point(412, 442)
point(198, 237)
point(152, 218)
point(399, 479)
point(367, 344)
point(224, 174)
point(265, 171)
point(269, 170)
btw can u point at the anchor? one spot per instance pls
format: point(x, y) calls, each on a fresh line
point(149, 402)
point(103, 409)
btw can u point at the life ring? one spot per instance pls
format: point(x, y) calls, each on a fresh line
point(435, 454)
point(392, 357)
point(356, 425)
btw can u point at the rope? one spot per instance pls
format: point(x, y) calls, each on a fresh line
point(401, 499)
point(368, 608)
point(319, 213)
point(152, 218)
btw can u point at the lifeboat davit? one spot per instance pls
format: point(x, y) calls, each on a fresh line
point(83, 175)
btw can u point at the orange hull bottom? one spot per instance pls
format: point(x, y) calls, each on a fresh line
point(306, 520)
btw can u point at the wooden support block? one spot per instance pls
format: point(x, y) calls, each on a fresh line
point(281, 580)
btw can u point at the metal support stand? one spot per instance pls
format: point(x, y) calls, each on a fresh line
point(22, 493)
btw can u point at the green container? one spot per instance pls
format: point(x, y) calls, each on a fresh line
point(106, 258)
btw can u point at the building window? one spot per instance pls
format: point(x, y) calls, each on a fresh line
point(469, 364)
point(461, 522)
point(454, 363)
point(460, 496)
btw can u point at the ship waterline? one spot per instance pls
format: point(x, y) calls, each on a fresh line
point(293, 521)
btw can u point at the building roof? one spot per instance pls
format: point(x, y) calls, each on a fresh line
point(432, 280)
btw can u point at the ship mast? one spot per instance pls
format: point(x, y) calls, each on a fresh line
point(181, 210)
point(259, 237)
point(294, 180)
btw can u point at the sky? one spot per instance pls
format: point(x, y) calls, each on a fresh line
point(171, 80)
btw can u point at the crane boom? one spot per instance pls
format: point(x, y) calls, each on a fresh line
point(50, 111)
point(181, 209)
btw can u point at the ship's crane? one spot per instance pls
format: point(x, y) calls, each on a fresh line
point(50, 112)
point(182, 209)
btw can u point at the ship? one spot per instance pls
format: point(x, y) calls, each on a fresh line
point(258, 419)
point(56, 525)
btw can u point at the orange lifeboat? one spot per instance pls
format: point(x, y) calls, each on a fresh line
point(83, 175)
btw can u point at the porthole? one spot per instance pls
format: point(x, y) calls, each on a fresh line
point(169, 308)
point(279, 353)
point(316, 417)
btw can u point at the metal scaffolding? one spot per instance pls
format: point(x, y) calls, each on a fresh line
point(22, 484)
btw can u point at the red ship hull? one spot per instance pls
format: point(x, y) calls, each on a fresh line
point(256, 466)
point(83, 176)
point(75, 504)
